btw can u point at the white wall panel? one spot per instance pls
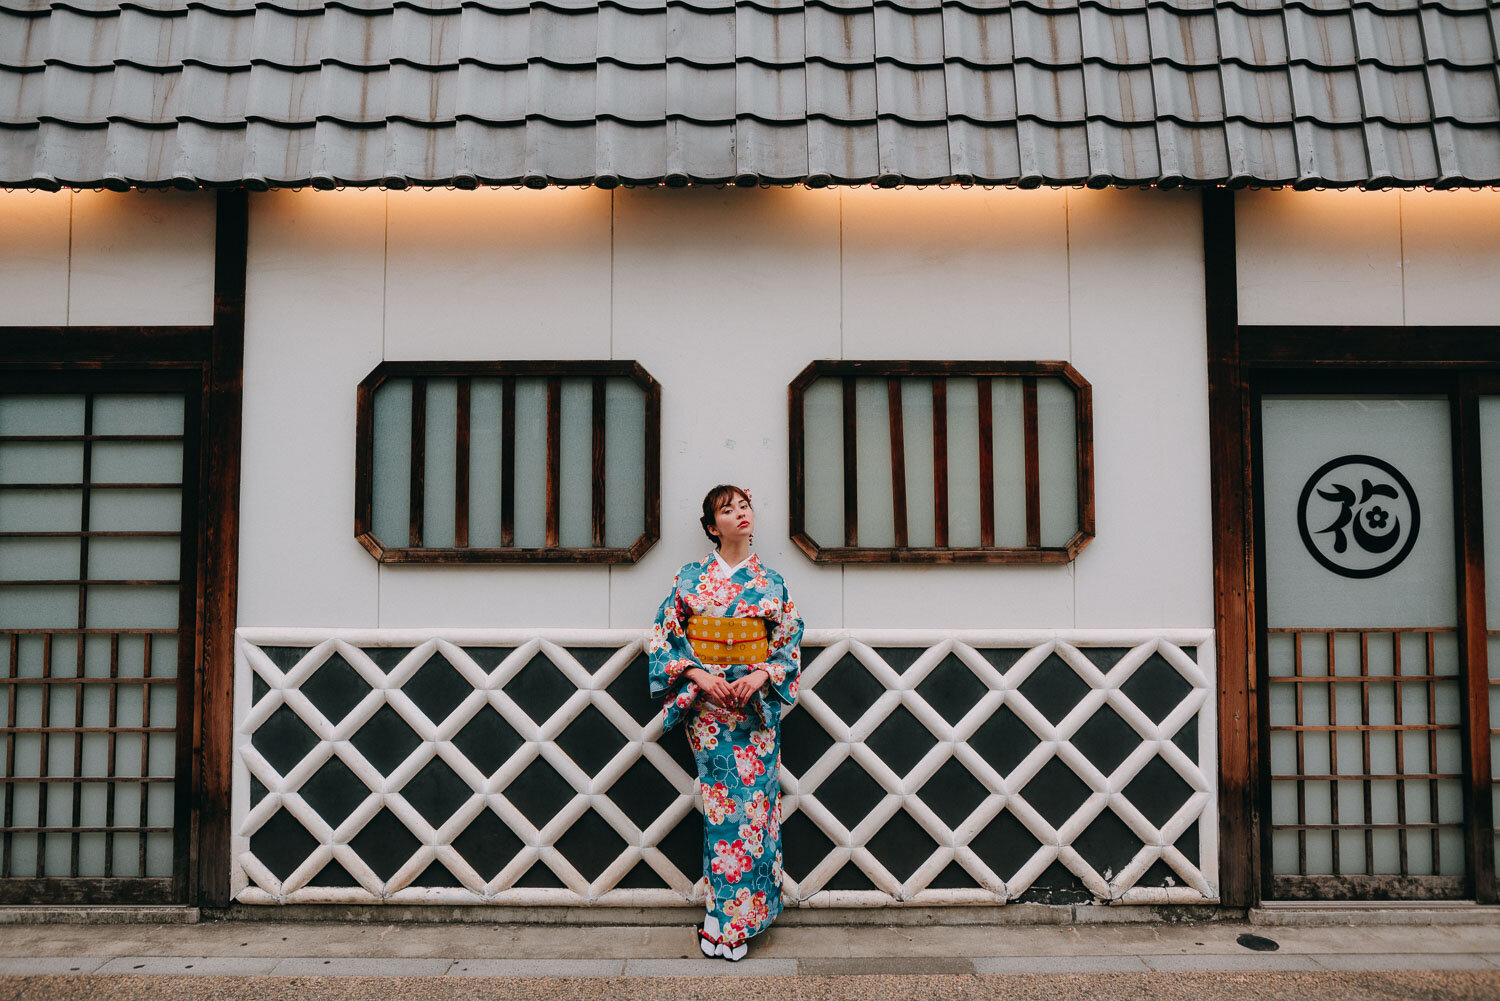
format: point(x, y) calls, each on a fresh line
point(498, 274)
point(1138, 336)
point(1319, 256)
point(312, 332)
point(1451, 249)
point(495, 596)
point(34, 256)
point(725, 296)
point(142, 257)
point(956, 273)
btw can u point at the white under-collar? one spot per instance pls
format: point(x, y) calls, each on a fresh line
point(725, 563)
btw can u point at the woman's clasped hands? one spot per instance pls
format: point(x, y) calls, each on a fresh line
point(728, 693)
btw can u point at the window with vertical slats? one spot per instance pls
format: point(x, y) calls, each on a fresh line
point(941, 461)
point(496, 462)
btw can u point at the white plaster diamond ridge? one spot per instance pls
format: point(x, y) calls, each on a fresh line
point(254, 882)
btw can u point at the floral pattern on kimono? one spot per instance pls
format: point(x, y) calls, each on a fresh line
point(737, 750)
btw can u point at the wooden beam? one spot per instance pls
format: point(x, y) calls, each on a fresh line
point(220, 559)
point(986, 462)
point(1233, 560)
point(417, 486)
point(1033, 461)
point(940, 462)
point(851, 465)
point(1473, 638)
point(508, 461)
point(461, 465)
point(554, 459)
point(596, 440)
point(898, 460)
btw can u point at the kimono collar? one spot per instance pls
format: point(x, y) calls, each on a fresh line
point(731, 569)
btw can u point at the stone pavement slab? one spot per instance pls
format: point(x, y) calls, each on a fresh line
point(879, 965)
point(1397, 961)
point(362, 967)
point(197, 966)
point(1060, 964)
point(1259, 963)
point(705, 967)
point(48, 965)
point(538, 968)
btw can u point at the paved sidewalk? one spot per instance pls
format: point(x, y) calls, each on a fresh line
point(331, 949)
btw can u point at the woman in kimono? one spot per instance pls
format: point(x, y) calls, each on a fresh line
point(725, 655)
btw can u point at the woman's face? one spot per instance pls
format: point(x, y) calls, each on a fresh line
point(734, 520)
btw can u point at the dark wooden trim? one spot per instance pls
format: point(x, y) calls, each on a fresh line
point(1367, 887)
point(851, 464)
point(986, 462)
point(95, 347)
point(1033, 461)
point(597, 372)
point(1233, 555)
point(554, 460)
point(1473, 641)
point(898, 460)
point(1325, 346)
point(461, 465)
point(86, 891)
point(893, 372)
point(221, 535)
point(596, 456)
point(417, 484)
point(940, 462)
point(508, 461)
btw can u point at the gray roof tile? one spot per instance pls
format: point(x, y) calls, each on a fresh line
point(279, 92)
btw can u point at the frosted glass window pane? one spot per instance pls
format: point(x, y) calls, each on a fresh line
point(28, 754)
point(57, 855)
point(41, 462)
point(91, 854)
point(135, 510)
point(485, 412)
point(39, 559)
point(127, 847)
point(624, 462)
point(1284, 851)
point(163, 706)
point(159, 800)
point(391, 469)
point(95, 707)
point(163, 656)
point(1057, 460)
point(41, 413)
point(95, 747)
point(823, 455)
point(872, 415)
point(136, 462)
point(126, 607)
point(93, 801)
point(531, 463)
point(127, 809)
point(440, 462)
point(159, 854)
point(134, 558)
point(40, 510)
point(1317, 441)
point(38, 607)
point(128, 750)
point(138, 413)
point(963, 462)
point(1319, 853)
point(1010, 462)
point(916, 419)
point(575, 507)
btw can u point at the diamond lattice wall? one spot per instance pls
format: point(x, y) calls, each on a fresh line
point(529, 767)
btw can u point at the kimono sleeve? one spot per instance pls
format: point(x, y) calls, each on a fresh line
point(784, 665)
point(669, 652)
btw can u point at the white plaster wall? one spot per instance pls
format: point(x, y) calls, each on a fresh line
point(724, 295)
point(106, 257)
point(1366, 257)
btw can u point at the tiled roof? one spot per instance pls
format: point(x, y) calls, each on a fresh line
point(465, 92)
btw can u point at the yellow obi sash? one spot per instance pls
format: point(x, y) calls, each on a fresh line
point(729, 640)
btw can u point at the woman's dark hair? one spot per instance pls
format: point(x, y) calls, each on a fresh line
point(713, 499)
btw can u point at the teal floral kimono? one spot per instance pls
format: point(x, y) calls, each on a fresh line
point(737, 750)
